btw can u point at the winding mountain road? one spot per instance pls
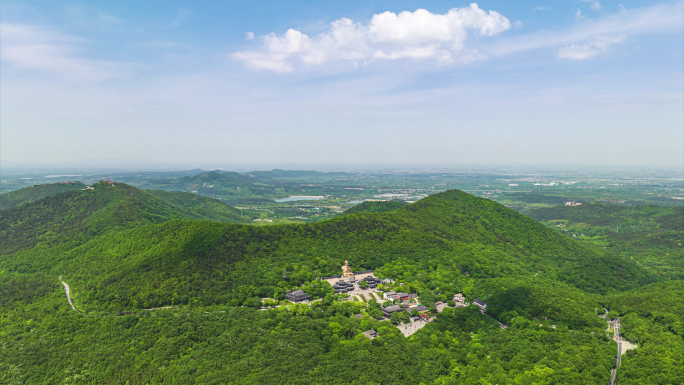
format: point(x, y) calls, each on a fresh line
point(67, 291)
point(616, 336)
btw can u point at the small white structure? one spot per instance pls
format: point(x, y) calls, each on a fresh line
point(481, 304)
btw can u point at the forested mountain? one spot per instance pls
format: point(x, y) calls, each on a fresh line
point(181, 262)
point(321, 345)
point(119, 251)
point(231, 187)
point(212, 182)
point(33, 193)
point(653, 317)
point(651, 235)
point(376, 207)
point(79, 215)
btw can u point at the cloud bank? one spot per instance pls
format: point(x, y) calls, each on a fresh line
point(423, 36)
point(418, 35)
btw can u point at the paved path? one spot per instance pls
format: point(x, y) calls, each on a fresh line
point(410, 328)
point(67, 291)
point(616, 336)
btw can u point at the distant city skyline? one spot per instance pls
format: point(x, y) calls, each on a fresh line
point(571, 82)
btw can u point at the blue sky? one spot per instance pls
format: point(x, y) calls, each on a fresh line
point(407, 82)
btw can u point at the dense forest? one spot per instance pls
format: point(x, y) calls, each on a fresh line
point(127, 253)
point(653, 317)
point(376, 207)
point(36, 192)
point(78, 215)
point(651, 235)
point(50, 343)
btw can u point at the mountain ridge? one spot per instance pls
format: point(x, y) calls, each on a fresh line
point(84, 213)
point(33, 193)
point(212, 262)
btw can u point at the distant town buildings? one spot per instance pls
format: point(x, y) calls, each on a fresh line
point(573, 203)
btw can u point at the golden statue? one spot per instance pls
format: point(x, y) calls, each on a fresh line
point(346, 270)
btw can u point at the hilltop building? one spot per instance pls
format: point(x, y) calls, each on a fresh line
point(297, 296)
point(370, 334)
point(391, 309)
point(343, 287)
point(481, 304)
point(371, 281)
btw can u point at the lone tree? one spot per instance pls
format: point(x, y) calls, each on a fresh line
point(395, 318)
point(376, 313)
point(364, 284)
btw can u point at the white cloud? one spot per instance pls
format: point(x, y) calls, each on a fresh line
point(588, 50)
point(34, 48)
point(578, 15)
point(594, 5)
point(418, 35)
point(249, 35)
point(540, 8)
point(590, 37)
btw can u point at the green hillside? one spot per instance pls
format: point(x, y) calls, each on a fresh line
point(224, 185)
point(651, 235)
point(122, 264)
point(653, 317)
point(79, 215)
point(200, 207)
point(296, 345)
point(183, 262)
point(36, 192)
point(376, 207)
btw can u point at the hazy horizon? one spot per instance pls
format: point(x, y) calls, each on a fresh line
point(130, 166)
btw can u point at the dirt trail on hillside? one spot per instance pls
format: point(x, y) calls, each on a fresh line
point(67, 291)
